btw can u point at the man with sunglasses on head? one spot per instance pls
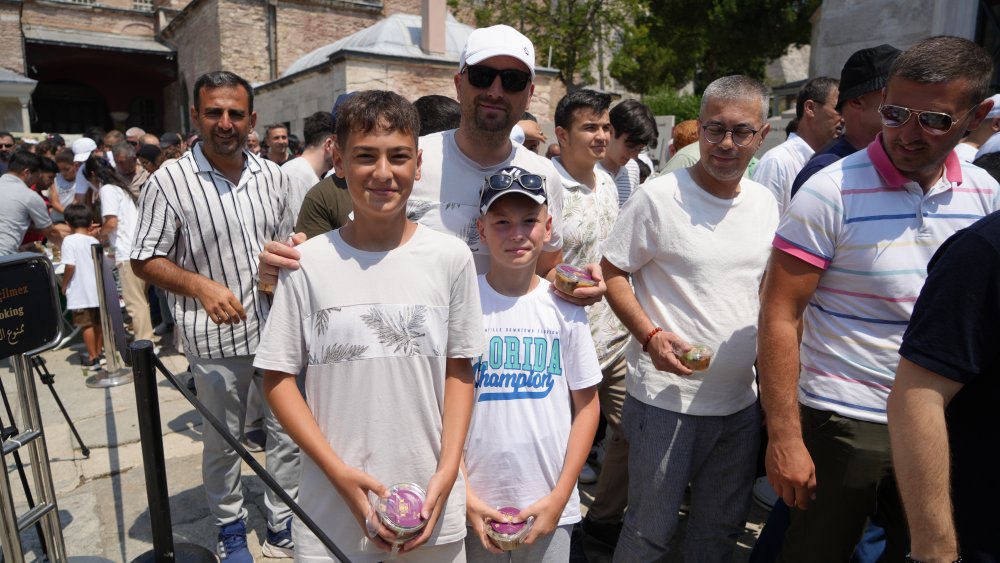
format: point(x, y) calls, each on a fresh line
point(818, 123)
point(849, 259)
point(494, 83)
point(695, 244)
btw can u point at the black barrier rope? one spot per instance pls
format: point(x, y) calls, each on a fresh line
point(143, 362)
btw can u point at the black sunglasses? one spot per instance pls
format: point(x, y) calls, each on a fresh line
point(512, 80)
point(531, 182)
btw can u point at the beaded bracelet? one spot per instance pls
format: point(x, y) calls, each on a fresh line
point(649, 337)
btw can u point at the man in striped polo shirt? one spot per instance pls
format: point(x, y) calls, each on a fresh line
point(849, 259)
point(204, 219)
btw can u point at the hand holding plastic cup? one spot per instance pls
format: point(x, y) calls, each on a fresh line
point(399, 512)
point(507, 534)
point(697, 358)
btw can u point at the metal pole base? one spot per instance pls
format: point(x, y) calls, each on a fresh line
point(183, 553)
point(106, 379)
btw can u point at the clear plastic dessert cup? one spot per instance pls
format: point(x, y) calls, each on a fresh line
point(569, 277)
point(697, 358)
point(507, 535)
point(399, 512)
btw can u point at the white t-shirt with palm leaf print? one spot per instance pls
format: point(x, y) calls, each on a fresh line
point(374, 331)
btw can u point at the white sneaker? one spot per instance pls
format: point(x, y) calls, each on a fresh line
point(587, 475)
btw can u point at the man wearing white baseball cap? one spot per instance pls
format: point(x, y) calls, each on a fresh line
point(82, 148)
point(494, 85)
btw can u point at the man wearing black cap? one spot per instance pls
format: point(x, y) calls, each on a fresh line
point(172, 140)
point(861, 83)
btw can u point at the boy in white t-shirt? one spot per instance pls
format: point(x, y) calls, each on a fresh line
point(384, 315)
point(536, 407)
point(79, 281)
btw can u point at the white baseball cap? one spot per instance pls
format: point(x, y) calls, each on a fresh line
point(498, 41)
point(995, 112)
point(82, 148)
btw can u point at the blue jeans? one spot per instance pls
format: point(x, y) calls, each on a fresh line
point(668, 450)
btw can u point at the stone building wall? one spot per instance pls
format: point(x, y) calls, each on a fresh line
point(243, 38)
point(11, 43)
point(89, 18)
point(304, 26)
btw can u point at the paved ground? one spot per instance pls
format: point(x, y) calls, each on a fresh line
point(102, 499)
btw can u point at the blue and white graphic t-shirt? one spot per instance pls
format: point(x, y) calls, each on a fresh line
point(538, 349)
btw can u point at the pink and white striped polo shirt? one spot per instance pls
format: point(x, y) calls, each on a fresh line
point(872, 231)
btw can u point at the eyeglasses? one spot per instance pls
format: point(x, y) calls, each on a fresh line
point(512, 80)
point(716, 133)
point(6, 145)
point(934, 122)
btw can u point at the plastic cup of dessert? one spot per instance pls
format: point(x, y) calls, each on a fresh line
point(697, 358)
point(506, 534)
point(400, 510)
point(569, 277)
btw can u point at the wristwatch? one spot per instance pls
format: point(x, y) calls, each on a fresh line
point(912, 560)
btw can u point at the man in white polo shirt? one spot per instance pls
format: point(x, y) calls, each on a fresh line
point(849, 259)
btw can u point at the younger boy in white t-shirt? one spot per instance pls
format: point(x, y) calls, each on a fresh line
point(384, 315)
point(79, 282)
point(536, 407)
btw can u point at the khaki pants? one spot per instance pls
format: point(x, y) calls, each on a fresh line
point(611, 496)
point(134, 294)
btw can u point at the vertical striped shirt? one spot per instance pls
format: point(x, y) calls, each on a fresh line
point(872, 231)
point(194, 216)
point(626, 180)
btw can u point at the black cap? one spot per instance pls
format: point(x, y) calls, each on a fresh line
point(866, 71)
point(170, 140)
point(149, 152)
point(340, 101)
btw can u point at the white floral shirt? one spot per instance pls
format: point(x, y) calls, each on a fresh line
point(588, 216)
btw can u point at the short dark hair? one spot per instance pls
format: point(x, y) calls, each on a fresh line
point(317, 128)
point(529, 117)
point(593, 100)
point(272, 127)
point(817, 90)
point(46, 146)
point(945, 58)
point(48, 165)
point(65, 155)
point(376, 110)
point(24, 160)
point(990, 162)
point(437, 113)
point(635, 120)
point(95, 133)
point(6, 134)
point(221, 79)
point(78, 215)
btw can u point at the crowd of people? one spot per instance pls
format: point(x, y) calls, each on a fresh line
point(422, 299)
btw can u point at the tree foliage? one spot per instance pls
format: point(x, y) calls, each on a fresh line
point(570, 29)
point(673, 42)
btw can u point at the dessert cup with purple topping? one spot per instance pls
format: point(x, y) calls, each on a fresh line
point(506, 534)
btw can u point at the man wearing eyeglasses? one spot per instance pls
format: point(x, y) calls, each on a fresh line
point(849, 259)
point(819, 123)
point(494, 83)
point(695, 244)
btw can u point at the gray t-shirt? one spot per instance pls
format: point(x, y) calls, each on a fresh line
point(374, 331)
point(21, 208)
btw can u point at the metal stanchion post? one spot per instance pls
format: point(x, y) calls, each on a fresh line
point(154, 467)
point(116, 373)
